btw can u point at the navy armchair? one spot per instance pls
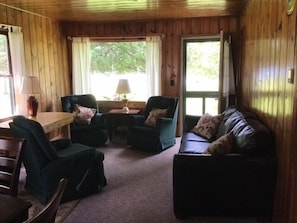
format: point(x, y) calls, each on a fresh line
point(155, 130)
point(93, 133)
point(46, 162)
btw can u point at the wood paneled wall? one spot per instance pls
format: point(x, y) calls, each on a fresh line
point(268, 52)
point(45, 55)
point(171, 31)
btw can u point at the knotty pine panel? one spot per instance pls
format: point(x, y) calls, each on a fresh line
point(171, 31)
point(268, 51)
point(45, 56)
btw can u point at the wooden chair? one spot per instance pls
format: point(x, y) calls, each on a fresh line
point(11, 153)
point(49, 212)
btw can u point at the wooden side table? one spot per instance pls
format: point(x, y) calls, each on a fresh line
point(115, 117)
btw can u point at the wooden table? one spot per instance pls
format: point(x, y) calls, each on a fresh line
point(13, 209)
point(49, 121)
point(114, 116)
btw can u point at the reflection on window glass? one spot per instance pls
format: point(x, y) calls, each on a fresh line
point(211, 106)
point(202, 65)
point(201, 59)
point(194, 106)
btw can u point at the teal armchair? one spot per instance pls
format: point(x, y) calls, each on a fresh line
point(46, 162)
point(92, 134)
point(155, 129)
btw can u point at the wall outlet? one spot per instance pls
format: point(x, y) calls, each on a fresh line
point(291, 76)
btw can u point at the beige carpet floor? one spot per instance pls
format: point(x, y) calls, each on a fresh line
point(139, 190)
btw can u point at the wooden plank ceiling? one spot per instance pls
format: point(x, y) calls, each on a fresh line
point(119, 10)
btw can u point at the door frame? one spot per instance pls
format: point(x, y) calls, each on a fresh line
point(184, 41)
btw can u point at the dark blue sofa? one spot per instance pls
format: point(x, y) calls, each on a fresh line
point(240, 183)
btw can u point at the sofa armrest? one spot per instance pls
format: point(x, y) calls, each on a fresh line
point(164, 125)
point(190, 122)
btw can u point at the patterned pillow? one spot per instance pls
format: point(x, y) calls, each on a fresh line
point(207, 125)
point(221, 146)
point(154, 114)
point(83, 115)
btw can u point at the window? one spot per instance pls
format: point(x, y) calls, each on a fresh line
point(6, 78)
point(111, 61)
point(98, 65)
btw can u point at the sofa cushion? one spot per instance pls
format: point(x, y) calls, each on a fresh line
point(232, 116)
point(83, 115)
point(221, 146)
point(190, 136)
point(207, 125)
point(251, 136)
point(188, 146)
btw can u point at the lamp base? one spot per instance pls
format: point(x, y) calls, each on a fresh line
point(125, 110)
point(32, 106)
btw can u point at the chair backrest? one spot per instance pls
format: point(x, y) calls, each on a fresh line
point(39, 151)
point(49, 212)
point(11, 153)
point(162, 102)
point(86, 100)
point(33, 130)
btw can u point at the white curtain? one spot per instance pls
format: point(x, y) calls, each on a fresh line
point(81, 61)
point(153, 65)
point(228, 76)
point(16, 43)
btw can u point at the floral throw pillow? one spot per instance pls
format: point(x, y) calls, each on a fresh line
point(154, 114)
point(221, 146)
point(207, 125)
point(83, 115)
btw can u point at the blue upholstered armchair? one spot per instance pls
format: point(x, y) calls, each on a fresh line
point(46, 162)
point(155, 130)
point(93, 133)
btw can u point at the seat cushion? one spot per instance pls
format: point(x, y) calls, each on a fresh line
point(193, 147)
point(192, 143)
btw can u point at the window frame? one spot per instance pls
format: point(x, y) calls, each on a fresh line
point(118, 40)
point(203, 95)
point(10, 76)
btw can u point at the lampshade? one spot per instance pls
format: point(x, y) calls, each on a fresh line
point(30, 85)
point(123, 87)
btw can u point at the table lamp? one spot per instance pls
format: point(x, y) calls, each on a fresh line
point(30, 85)
point(124, 88)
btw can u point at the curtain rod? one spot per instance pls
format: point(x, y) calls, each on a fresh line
point(6, 26)
point(123, 38)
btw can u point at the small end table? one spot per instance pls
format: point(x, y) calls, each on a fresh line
point(116, 115)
